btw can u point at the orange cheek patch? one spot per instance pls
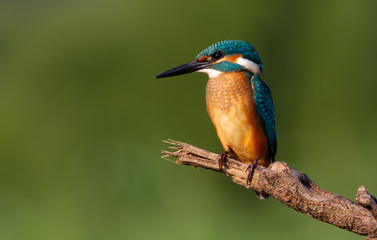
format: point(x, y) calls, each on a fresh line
point(231, 58)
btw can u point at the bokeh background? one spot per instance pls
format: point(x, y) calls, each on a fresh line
point(82, 118)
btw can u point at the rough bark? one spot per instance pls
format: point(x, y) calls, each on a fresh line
point(291, 188)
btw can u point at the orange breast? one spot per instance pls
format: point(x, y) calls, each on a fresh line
point(232, 110)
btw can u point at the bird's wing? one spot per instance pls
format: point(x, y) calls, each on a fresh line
point(265, 109)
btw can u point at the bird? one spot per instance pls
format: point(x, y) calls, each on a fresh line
point(239, 103)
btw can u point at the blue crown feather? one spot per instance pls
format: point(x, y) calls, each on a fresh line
point(230, 47)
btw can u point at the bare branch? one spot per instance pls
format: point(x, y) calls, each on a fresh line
point(291, 188)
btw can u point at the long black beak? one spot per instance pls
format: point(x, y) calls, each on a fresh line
point(183, 69)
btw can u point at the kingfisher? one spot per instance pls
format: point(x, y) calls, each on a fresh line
point(239, 103)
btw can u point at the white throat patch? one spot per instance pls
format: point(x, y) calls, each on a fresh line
point(249, 65)
point(212, 73)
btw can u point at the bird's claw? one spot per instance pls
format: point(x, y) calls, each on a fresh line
point(222, 158)
point(251, 169)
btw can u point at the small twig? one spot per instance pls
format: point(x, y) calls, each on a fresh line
point(366, 200)
point(291, 188)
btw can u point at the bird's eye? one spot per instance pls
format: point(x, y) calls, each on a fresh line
point(217, 55)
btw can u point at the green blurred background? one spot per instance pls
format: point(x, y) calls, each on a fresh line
point(82, 118)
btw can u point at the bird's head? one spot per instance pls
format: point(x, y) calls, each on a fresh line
point(224, 56)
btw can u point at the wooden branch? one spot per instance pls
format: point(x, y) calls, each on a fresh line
point(291, 188)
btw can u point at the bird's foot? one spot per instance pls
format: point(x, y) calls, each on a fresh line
point(222, 158)
point(251, 169)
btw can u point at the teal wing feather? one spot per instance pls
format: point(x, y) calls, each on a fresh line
point(265, 109)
